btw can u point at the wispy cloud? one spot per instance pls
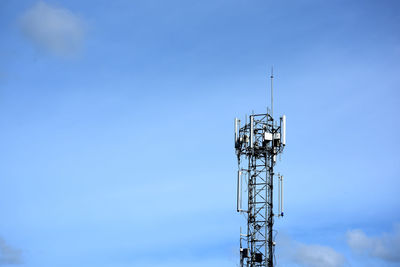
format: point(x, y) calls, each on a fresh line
point(385, 247)
point(9, 255)
point(55, 29)
point(309, 255)
point(318, 256)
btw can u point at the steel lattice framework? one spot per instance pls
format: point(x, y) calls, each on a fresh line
point(257, 145)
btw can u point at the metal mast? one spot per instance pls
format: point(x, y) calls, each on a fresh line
point(257, 144)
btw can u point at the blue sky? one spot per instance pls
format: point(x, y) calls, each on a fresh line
point(116, 129)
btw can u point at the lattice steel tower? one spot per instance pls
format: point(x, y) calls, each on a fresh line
point(257, 145)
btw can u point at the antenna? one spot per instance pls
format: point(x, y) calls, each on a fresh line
point(272, 91)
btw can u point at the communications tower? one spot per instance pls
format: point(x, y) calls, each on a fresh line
point(257, 144)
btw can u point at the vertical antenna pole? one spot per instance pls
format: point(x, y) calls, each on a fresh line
point(272, 91)
point(281, 195)
point(239, 191)
point(251, 131)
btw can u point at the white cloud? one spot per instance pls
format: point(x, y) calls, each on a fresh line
point(9, 255)
point(309, 255)
point(56, 29)
point(386, 246)
point(318, 256)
